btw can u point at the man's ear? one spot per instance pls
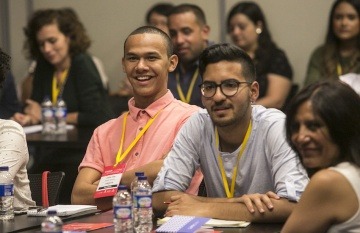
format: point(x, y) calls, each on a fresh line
point(173, 62)
point(205, 31)
point(254, 91)
point(123, 64)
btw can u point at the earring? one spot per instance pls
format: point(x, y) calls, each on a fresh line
point(258, 31)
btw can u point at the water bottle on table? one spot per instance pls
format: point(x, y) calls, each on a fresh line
point(6, 194)
point(47, 116)
point(122, 206)
point(133, 184)
point(60, 116)
point(143, 206)
point(52, 223)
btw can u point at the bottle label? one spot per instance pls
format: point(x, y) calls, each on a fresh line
point(122, 212)
point(60, 113)
point(143, 201)
point(48, 113)
point(6, 190)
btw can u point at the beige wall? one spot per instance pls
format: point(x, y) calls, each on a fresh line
point(297, 26)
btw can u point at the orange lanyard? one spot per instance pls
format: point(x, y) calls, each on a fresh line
point(121, 156)
point(191, 87)
point(58, 87)
point(230, 193)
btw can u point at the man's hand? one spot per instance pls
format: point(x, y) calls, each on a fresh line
point(185, 204)
point(259, 200)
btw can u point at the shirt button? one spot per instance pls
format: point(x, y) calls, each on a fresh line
point(226, 159)
point(143, 111)
point(140, 128)
point(137, 153)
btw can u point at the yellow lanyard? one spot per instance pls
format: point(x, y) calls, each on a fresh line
point(230, 193)
point(120, 157)
point(189, 93)
point(57, 87)
point(338, 69)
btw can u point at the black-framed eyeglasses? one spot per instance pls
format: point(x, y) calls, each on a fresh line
point(228, 87)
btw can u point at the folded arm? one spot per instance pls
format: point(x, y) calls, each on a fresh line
point(222, 208)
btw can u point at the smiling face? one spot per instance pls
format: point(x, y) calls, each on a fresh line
point(147, 65)
point(243, 32)
point(228, 111)
point(346, 22)
point(188, 36)
point(54, 46)
point(311, 138)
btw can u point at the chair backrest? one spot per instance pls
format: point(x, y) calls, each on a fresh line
point(52, 181)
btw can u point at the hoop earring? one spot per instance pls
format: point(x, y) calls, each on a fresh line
point(258, 31)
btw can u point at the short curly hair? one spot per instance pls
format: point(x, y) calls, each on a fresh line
point(4, 65)
point(68, 23)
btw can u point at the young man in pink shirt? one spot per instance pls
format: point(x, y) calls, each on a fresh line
point(148, 58)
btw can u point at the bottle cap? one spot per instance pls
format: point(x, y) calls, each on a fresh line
point(122, 187)
point(142, 178)
point(51, 212)
point(4, 168)
point(139, 174)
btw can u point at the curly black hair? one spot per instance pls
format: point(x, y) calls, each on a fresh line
point(4, 65)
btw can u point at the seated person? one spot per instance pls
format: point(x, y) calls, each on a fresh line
point(14, 151)
point(9, 103)
point(157, 16)
point(63, 69)
point(148, 58)
point(323, 128)
point(250, 171)
point(340, 54)
point(248, 29)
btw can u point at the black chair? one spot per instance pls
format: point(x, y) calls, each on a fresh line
point(45, 187)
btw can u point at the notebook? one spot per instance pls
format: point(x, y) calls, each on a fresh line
point(62, 210)
point(182, 224)
point(213, 222)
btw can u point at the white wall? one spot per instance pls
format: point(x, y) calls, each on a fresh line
point(297, 26)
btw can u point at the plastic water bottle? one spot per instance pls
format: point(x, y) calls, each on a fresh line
point(52, 222)
point(48, 118)
point(60, 116)
point(6, 194)
point(143, 206)
point(122, 206)
point(133, 184)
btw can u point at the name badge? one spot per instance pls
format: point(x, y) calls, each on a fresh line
point(110, 181)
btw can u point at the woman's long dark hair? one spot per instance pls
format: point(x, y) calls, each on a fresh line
point(338, 105)
point(331, 54)
point(266, 44)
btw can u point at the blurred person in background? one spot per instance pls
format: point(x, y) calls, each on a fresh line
point(248, 30)
point(340, 54)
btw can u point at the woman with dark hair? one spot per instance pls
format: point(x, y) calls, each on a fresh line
point(57, 40)
point(322, 126)
point(248, 29)
point(341, 52)
point(14, 151)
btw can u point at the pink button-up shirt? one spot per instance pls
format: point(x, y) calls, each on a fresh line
point(153, 145)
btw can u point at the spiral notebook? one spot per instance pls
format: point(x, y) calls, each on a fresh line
point(182, 224)
point(62, 210)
